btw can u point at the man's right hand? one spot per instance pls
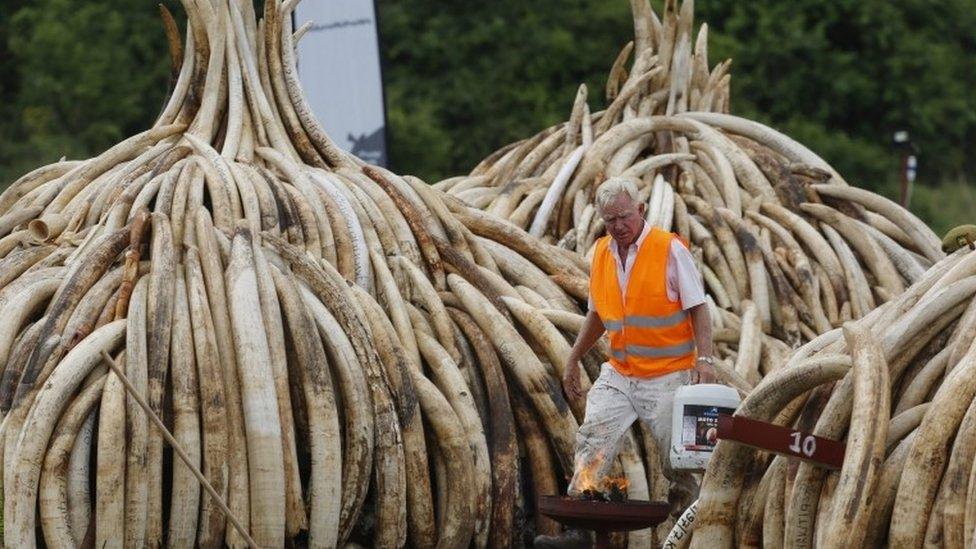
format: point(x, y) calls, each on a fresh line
point(571, 380)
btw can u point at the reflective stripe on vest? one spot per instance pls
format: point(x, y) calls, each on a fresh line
point(645, 321)
point(673, 350)
point(641, 351)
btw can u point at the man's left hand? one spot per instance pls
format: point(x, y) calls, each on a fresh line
point(705, 370)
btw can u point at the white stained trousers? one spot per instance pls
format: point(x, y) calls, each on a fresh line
point(613, 403)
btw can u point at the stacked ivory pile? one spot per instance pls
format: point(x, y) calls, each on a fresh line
point(533, 183)
point(898, 387)
point(778, 232)
point(344, 353)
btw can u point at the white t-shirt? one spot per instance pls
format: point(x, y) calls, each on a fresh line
point(684, 280)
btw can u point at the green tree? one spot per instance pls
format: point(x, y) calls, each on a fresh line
point(843, 75)
point(464, 78)
point(78, 77)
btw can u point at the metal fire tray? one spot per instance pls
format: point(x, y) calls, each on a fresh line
point(603, 517)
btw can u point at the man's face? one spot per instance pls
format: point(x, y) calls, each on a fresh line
point(624, 219)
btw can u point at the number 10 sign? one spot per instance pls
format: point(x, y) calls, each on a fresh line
point(782, 440)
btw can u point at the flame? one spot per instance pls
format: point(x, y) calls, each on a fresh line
point(588, 481)
point(619, 483)
point(587, 475)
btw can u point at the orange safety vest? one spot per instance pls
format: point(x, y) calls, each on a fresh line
point(650, 335)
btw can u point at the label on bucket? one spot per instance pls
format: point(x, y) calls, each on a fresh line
point(699, 426)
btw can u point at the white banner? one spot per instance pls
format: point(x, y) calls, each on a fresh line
point(339, 67)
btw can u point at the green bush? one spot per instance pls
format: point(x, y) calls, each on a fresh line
point(944, 206)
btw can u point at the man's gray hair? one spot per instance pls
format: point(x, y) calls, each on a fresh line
point(614, 187)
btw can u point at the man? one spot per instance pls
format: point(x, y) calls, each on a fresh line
point(647, 293)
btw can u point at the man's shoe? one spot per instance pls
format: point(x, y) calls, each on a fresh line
point(570, 539)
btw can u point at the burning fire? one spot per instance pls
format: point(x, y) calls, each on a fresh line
point(620, 483)
point(587, 476)
point(603, 489)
